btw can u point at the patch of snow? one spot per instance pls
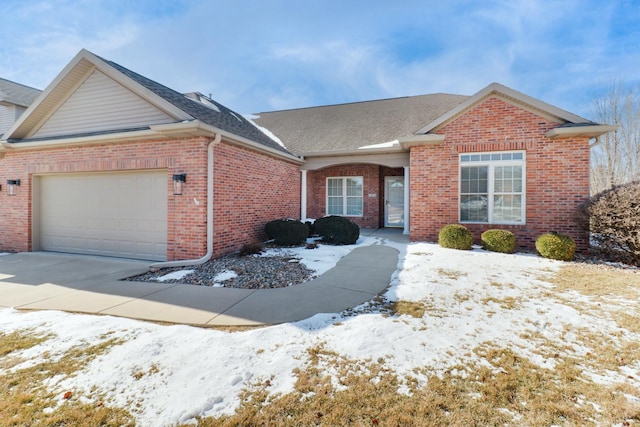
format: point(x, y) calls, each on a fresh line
point(174, 275)
point(224, 275)
point(389, 144)
point(251, 117)
point(201, 372)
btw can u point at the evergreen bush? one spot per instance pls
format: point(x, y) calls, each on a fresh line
point(556, 246)
point(287, 232)
point(337, 230)
point(495, 240)
point(455, 236)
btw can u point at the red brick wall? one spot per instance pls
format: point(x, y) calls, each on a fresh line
point(250, 189)
point(186, 228)
point(317, 191)
point(373, 179)
point(557, 172)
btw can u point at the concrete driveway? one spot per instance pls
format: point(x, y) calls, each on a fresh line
point(89, 284)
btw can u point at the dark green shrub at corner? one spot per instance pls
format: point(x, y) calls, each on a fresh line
point(287, 232)
point(455, 236)
point(337, 230)
point(495, 240)
point(556, 246)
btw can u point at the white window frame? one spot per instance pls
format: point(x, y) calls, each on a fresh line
point(345, 197)
point(490, 160)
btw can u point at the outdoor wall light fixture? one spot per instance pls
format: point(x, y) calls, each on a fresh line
point(178, 183)
point(11, 186)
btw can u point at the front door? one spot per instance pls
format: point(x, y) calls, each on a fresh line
point(394, 201)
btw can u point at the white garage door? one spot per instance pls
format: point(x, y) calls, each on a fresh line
point(111, 214)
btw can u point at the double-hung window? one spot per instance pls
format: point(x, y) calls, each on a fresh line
point(492, 188)
point(344, 196)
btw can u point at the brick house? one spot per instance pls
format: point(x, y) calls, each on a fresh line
point(108, 162)
point(497, 159)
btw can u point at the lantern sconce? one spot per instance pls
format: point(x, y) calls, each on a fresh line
point(11, 186)
point(178, 183)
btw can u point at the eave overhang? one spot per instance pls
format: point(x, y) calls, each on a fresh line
point(592, 131)
point(419, 140)
point(185, 129)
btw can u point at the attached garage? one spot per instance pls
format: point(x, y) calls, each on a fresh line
point(121, 214)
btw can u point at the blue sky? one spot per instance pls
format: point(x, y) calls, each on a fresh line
point(261, 55)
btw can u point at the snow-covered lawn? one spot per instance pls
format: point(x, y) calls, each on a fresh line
point(469, 298)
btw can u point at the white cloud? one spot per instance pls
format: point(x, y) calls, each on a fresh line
point(254, 55)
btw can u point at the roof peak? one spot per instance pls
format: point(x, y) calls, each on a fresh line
point(361, 102)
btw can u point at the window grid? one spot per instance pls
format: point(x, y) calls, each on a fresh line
point(345, 196)
point(492, 188)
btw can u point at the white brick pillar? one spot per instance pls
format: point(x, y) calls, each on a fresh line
point(406, 200)
point(303, 196)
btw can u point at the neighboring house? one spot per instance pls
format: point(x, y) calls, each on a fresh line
point(108, 162)
point(94, 161)
point(14, 99)
point(497, 159)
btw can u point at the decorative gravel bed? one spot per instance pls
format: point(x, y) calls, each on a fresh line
point(251, 272)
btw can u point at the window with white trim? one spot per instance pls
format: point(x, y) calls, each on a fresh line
point(344, 196)
point(492, 187)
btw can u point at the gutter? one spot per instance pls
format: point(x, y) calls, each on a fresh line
point(182, 263)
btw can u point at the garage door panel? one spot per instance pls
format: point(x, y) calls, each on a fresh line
point(112, 214)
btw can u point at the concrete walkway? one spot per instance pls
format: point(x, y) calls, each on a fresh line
point(87, 284)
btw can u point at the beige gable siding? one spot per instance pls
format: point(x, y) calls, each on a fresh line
point(100, 104)
point(7, 116)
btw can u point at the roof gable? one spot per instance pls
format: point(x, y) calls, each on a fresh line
point(100, 104)
point(508, 95)
point(87, 76)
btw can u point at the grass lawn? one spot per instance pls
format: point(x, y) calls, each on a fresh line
point(491, 384)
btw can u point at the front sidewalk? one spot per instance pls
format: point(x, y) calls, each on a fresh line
point(88, 284)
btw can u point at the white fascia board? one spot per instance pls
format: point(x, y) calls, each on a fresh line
point(184, 129)
point(417, 140)
point(592, 131)
point(79, 140)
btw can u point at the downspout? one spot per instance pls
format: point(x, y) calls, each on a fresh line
point(182, 263)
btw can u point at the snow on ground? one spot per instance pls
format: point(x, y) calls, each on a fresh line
point(178, 372)
point(177, 275)
point(322, 258)
point(223, 276)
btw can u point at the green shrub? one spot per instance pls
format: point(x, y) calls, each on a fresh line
point(556, 246)
point(337, 230)
point(495, 240)
point(287, 232)
point(455, 236)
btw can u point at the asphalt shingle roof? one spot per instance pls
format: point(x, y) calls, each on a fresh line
point(16, 93)
point(220, 117)
point(350, 126)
